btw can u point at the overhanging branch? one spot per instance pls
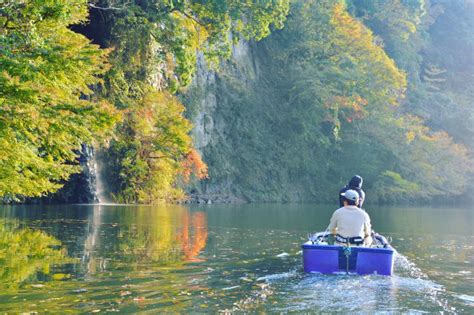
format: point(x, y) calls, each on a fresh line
point(123, 7)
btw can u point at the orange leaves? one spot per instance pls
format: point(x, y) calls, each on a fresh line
point(349, 107)
point(355, 102)
point(191, 245)
point(193, 164)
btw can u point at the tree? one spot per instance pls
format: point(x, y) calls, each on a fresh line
point(155, 47)
point(46, 106)
point(436, 56)
point(326, 104)
point(153, 151)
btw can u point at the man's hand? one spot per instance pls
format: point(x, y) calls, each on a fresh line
point(331, 238)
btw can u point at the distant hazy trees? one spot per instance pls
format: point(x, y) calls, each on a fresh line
point(332, 99)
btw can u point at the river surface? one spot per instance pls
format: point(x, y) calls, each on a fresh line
point(223, 258)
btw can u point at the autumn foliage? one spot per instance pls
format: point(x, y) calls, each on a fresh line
point(193, 237)
point(193, 165)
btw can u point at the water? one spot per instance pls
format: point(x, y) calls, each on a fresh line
point(223, 258)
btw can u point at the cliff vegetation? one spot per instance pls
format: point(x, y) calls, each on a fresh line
point(271, 100)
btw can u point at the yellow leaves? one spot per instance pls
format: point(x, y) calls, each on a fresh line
point(45, 115)
point(410, 27)
point(60, 276)
point(163, 151)
point(353, 29)
point(190, 37)
point(410, 136)
point(356, 43)
point(198, 33)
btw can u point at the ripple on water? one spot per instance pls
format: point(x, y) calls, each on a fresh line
point(278, 276)
point(468, 299)
point(343, 293)
point(409, 290)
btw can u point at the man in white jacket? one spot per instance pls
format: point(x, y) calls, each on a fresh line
point(350, 224)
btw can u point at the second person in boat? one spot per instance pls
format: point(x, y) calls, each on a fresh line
point(354, 184)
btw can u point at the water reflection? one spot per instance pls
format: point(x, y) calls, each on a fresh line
point(107, 237)
point(26, 254)
point(242, 258)
point(193, 236)
point(110, 258)
point(130, 237)
point(91, 242)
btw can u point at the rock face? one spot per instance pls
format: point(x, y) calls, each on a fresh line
point(81, 188)
point(207, 101)
point(202, 100)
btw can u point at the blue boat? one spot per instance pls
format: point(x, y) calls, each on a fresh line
point(319, 257)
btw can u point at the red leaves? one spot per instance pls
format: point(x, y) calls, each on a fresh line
point(347, 107)
point(193, 164)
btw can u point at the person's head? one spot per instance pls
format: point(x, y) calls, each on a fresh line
point(356, 182)
point(351, 197)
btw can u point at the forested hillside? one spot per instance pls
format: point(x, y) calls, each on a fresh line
point(239, 100)
point(342, 90)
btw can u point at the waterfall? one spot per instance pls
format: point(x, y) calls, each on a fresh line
point(101, 193)
point(88, 164)
point(94, 170)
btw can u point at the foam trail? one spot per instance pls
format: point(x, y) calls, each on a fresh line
point(278, 276)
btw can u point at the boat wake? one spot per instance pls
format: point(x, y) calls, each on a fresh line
point(300, 292)
point(279, 276)
point(407, 268)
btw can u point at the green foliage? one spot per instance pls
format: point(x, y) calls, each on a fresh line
point(399, 26)
point(448, 59)
point(437, 58)
point(48, 74)
point(155, 46)
point(325, 105)
point(46, 108)
point(24, 252)
point(170, 33)
point(326, 97)
point(147, 158)
point(321, 71)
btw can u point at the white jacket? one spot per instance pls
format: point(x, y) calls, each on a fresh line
point(350, 221)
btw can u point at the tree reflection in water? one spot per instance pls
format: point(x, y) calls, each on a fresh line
point(195, 223)
point(120, 258)
point(126, 237)
point(25, 254)
point(129, 237)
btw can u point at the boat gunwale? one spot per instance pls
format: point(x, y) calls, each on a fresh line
point(357, 248)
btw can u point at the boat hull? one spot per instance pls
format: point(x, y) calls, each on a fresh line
point(328, 259)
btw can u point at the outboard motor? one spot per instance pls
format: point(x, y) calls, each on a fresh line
point(381, 241)
point(319, 238)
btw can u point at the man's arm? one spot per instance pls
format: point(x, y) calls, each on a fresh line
point(332, 228)
point(367, 225)
point(367, 231)
point(361, 197)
